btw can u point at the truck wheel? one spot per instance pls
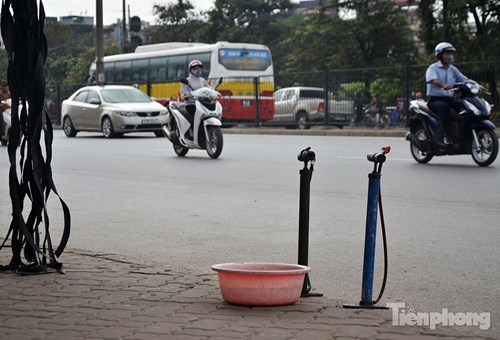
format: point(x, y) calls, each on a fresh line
point(303, 121)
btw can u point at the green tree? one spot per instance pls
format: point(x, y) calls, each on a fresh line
point(471, 26)
point(178, 22)
point(64, 49)
point(376, 35)
point(80, 71)
point(252, 21)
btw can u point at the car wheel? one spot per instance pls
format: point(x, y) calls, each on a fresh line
point(487, 151)
point(107, 128)
point(303, 121)
point(69, 129)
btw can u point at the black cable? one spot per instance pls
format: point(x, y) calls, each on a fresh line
point(382, 221)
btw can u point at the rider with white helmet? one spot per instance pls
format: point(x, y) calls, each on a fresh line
point(440, 77)
point(196, 81)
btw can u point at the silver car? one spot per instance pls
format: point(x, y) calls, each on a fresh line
point(112, 109)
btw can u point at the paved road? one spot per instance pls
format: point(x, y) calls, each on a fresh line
point(133, 196)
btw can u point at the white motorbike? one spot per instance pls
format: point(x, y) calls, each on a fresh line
point(207, 134)
point(6, 122)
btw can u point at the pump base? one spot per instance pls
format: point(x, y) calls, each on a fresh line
point(351, 306)
point(309, 294)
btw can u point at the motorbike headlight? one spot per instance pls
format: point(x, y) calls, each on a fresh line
point(126, 113)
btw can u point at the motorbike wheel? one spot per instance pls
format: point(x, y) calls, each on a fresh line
point(419, 155)
point(180, 150)
point(214, 141)
point(69, 129)
point(488, 148)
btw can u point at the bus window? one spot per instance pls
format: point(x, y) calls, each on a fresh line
point(158, 69)
point(109, 72)
point(140, 70)
point(205, 59)
point(122, 71)
point(244, 59)
point(177, 67)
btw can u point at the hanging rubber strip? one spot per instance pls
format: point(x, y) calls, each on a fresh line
point(22, 24)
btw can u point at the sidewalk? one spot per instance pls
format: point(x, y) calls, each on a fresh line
point(103, 296)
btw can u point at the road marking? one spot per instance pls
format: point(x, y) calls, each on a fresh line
point(388, 158)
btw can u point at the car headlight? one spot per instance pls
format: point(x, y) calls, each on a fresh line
point(125, 113)
point(163, 113)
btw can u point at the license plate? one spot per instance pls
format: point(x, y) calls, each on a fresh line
point(150, 121)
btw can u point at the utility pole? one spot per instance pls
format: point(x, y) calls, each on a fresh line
point(99, 44)
point(124, 25)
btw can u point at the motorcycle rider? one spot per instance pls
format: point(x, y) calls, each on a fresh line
point(440, 77)
point(196, 81)
point(4, 95)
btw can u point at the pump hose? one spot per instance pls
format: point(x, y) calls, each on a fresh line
point(382, 222)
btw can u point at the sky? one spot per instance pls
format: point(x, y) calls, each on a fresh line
point(112, 9)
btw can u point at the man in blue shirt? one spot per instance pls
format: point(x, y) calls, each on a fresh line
point(440, 77)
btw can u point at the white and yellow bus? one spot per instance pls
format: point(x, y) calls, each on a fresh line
point(247, 70)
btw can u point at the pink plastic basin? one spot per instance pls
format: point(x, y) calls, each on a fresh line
point(260, 284)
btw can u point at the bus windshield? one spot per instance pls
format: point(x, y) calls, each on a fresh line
point(243, 59)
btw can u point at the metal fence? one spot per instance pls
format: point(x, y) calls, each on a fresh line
point(352, 88)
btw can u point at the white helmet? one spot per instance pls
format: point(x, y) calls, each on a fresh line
point(194, 63)
point(443, 46)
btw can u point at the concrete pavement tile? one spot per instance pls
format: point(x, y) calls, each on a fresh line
point(114, 314)
point(179, 319)
point(113, 332)
point(357, 331)
point(452, 331)
point(56, 327)
point(207, 324)
point(200, 308)
point(307, 335)
point(385, 336)
point(227, 309)
point(297, 326)
point(263, 335)
point(298, 307)
point(102, 305)
point(212, 334)
point(352, 321)
point(93, 321)
point(161, 328)
point(297, 316)
point(253, 321)
point(21, 321)
point(159, 309)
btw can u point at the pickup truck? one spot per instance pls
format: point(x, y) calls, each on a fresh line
point(300, 106)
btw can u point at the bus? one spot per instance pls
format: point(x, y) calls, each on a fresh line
point(247, 71)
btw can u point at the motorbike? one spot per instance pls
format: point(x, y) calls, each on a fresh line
point(207, 133)
point(470, 129)
point(369, 118)
point(6, 122)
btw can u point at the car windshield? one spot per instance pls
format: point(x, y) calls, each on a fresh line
point(124, 96)
point(312, 94)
